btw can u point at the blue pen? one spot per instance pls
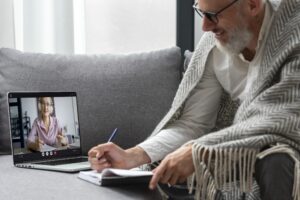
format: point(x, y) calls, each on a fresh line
point(112, 135)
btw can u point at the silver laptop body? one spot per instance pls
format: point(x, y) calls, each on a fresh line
point(60, 153)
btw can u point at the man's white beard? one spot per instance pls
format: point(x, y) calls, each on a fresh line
point(238, 39)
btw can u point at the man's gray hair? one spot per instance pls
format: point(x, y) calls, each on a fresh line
point(263, 1)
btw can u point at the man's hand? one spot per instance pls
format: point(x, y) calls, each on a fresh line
point(176, 167)
point(110, 155)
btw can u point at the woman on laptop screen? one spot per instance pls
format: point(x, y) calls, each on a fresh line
point(46, 133)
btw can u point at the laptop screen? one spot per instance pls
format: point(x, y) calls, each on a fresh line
point(43, 125)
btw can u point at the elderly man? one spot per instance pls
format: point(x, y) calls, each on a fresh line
point(251, 51)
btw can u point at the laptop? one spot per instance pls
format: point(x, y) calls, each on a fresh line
point(45, 132)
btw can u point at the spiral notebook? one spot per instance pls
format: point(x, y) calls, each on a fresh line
point(112, 176)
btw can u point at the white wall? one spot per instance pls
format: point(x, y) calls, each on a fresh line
point(65, 114)
point(118, 26)
point(6, 24)
point(29, 105)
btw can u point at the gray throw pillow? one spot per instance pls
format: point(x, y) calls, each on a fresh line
point(131, 92)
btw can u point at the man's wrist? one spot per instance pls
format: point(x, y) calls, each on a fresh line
point(138, 156)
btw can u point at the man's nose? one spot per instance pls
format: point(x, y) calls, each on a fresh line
point(207, 25)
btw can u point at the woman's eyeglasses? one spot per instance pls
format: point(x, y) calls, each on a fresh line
point(212, 16)
point(46, 104)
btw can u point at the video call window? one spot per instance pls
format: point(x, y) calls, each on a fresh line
point(44, 124)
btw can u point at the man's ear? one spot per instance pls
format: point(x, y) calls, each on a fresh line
point(254, 7)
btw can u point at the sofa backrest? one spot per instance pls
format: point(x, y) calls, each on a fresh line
point(131, 92)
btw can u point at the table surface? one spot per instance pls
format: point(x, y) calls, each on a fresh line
point(20, 183)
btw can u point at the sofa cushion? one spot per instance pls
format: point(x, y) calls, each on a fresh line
point(131, 92)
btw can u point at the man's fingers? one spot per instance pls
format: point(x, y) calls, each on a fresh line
point(103, 166)
point(92, 151)
point(99, 158)
point(100, 166)
point(157, 176)
point(95, 155)
point(102, 160)
point(165, 178)
point(101, 148)
point(99, 155)
point(173, 180)
point(182, 179)
point(154, 181)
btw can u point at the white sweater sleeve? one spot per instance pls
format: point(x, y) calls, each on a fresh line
point(198, 117)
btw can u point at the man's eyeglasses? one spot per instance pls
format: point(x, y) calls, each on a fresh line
point(213, 17)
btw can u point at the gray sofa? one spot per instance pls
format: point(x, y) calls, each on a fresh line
point(131, 92)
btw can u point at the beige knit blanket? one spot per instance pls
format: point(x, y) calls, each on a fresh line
point(269, 116)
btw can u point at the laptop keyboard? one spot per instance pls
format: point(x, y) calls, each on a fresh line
point(62, 162)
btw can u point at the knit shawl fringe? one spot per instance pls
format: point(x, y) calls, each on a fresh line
point(233, 165)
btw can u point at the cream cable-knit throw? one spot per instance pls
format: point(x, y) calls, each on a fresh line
point(269, 116)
